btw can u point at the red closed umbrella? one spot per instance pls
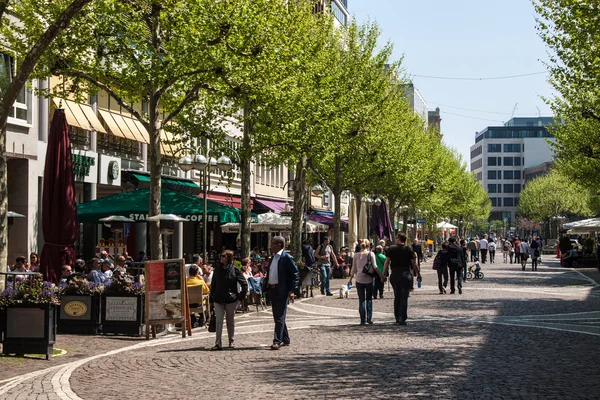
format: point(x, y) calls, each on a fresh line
point(59, 205)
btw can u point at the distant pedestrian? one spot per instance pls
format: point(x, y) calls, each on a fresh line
point(308, 253)
point(492, 250)
point(378, 281)
point(463, 245)
point(325, 256)
point(364, 282)
point(282, 282)
point(225, 296)
point(524, 253)
point(400, 259)
point(455, 264)
point(535, 252)
point(473, 248)
point(483, 249)
point(442, 270)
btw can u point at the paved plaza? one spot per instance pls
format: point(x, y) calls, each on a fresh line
point(513, 335)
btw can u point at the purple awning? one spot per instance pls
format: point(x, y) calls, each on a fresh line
point(273, 205)
point(328, 220)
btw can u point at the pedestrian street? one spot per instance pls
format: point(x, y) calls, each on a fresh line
point(514, 334)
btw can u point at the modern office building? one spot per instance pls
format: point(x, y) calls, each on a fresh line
point(338, 8)
point(500, 156)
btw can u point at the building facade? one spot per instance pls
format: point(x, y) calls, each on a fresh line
point(500, 156)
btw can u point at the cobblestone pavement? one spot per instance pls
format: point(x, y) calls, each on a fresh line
point(514, 334)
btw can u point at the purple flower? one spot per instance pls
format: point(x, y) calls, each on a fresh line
point(47, 284)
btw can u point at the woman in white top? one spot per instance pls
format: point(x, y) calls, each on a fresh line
point(492, 250)
point(364, 283)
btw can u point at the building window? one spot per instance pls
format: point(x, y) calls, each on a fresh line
point(492, 188)
point(493, 200)
point(499, 161)
point(476, 152)
point(508, 174)
point(495, 148)
point(479, 176)
point(491, 161)
point(491, 174)
point(512, 148)
point(508, 202)
point(508, 188)
point(499, 202)
point(517, 161)
point(517, 174)
point(21, 107)
point(338, 13)
point(477, 164)
point(517, 188)
point(508, 161)
point(516, 202)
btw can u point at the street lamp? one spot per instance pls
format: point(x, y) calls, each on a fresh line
point(203, 163)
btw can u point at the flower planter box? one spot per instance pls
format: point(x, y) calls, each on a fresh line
point(28, 329)
point(122, 315)
point(79, 314)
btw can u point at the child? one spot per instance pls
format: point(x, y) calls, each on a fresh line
point(477, 267)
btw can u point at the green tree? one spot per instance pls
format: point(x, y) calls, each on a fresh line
point(571, 29)
point(28, 29)
point(552, 195)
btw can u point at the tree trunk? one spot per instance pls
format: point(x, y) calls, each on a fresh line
point(358, 199)
point(246, 175)
point(9, 96)
point(300, 199)
point(337, 195)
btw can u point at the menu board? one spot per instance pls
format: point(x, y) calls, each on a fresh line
point(165, 291)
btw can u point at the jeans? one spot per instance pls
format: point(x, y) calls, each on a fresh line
point(227, 309)
point(365, 302)
point(474, 253)
point(455, 271)
point(401, 290)
point(483, 255)
point(505, 256)
point(511, 257)
point(442, 272)
point(534, 263)
point(492, 255)
point(377, 287)
point(279, 303)
point(325, 278)
point(255, 285)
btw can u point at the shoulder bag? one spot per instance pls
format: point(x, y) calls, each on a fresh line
point(368, 268)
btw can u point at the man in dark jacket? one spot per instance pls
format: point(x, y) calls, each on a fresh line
point(455, 263)
point(281, 282)
point(308, 253)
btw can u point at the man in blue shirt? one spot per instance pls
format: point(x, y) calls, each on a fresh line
point(95, 274)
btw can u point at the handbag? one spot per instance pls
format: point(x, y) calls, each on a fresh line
point(212, 324)
point(368, 268)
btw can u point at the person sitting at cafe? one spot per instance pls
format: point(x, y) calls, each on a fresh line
point(121, 268)
point(246, 267)
point(104, 258)
point(19, 267)
point(34, 262)
point(66, 273)
point(107, 269)
point(194, 280)
point(207, 273)
point(95, 274)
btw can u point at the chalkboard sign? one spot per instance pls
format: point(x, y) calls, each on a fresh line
point(166, 293)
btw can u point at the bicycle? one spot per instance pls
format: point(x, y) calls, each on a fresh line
point(471, 273)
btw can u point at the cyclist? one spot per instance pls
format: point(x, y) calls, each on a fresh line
point(477, 266)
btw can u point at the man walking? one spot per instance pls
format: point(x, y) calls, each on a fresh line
point(282, 280)
point(400, 259)
point(455, 263)
point(484, 248)
point(473, 248)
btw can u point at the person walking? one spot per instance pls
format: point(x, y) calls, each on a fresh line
point(473, 248)
point(483, 248)
point(400, 259)
point(225, 296)
point(506, 247)
point(308, 254)
point(517, 248)
point(378, 281)
point(324, 256)
point(492, 250)
point(442, 271)
point(455, 264)
point(418, 249)
point(535, 252)
point(282, 282)
point(524, 253)
point(364, 282)
point(463, 245)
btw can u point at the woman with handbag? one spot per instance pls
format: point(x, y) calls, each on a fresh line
point(224, 294)
point(364, 267)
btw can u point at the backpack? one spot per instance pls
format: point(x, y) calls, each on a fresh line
point(437, 261)
point(505, 247)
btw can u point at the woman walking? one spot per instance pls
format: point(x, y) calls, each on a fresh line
point(492, 250)
point(225, 296)
point(442, 271)
point(364, 282)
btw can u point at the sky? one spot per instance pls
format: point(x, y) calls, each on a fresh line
point(466, 39)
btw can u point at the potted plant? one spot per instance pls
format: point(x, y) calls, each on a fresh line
point(29, 318)
point(122, 306)
point(80, 306)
